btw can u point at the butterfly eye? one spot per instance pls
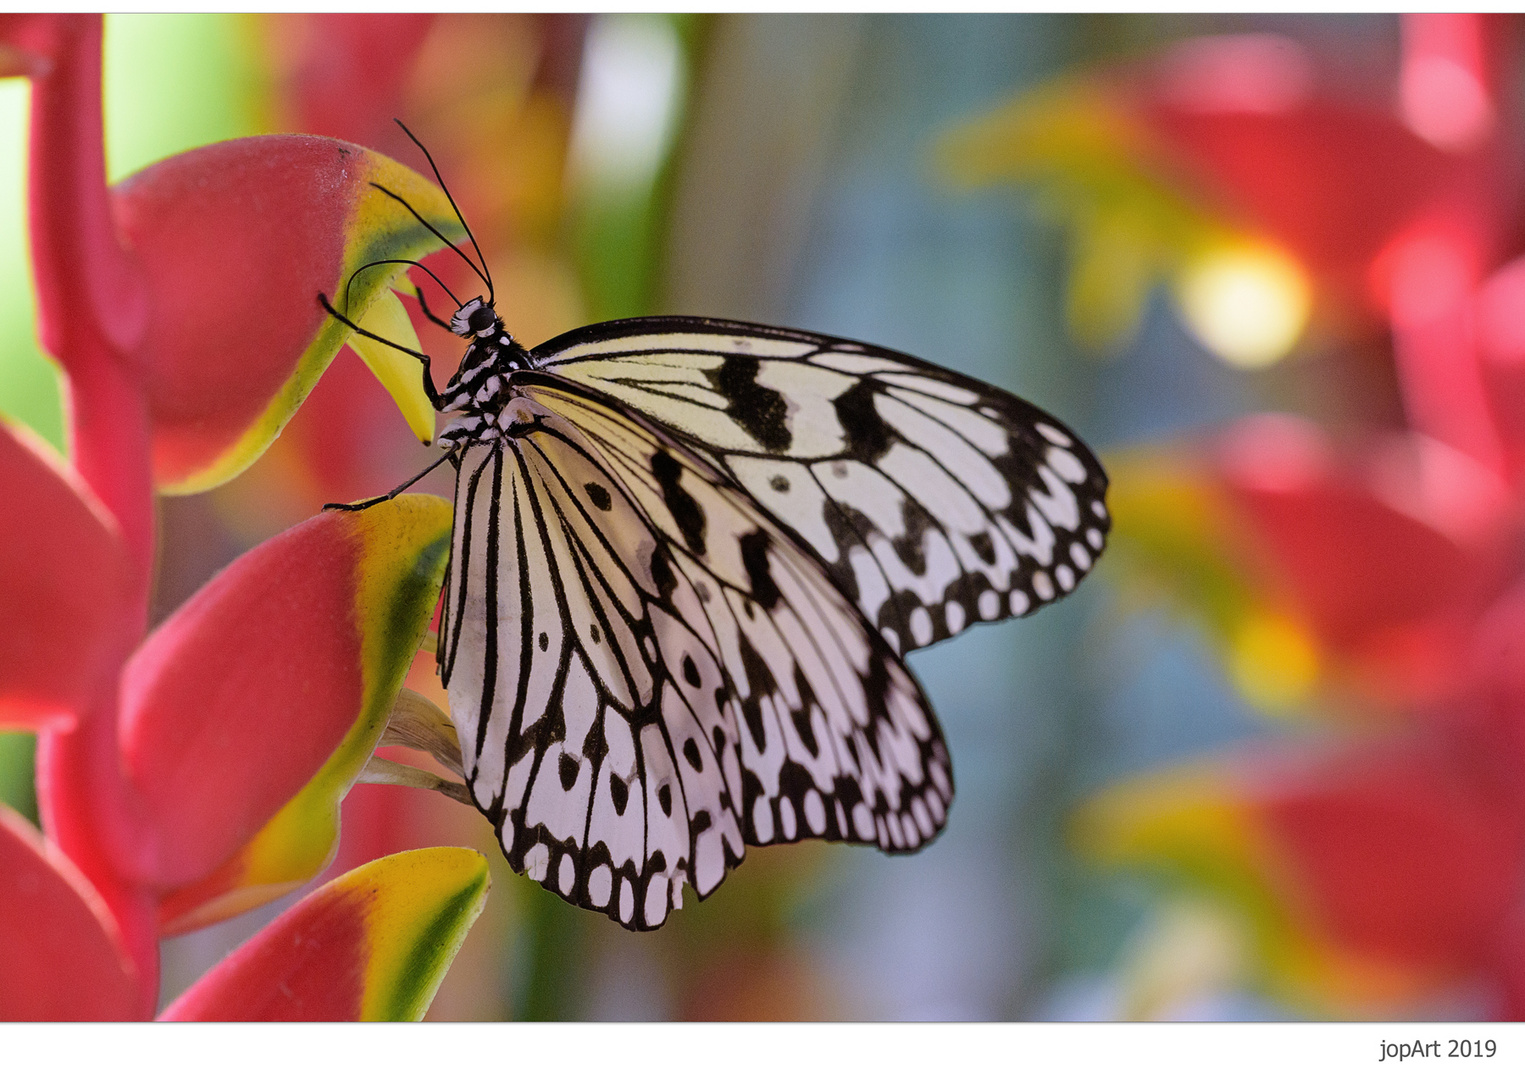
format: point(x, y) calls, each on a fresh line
point(471, 318)
point(482, 320)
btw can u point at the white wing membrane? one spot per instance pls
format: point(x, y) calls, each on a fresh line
point(933, 500)
point(648, 673)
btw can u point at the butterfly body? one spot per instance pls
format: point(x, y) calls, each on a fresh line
point(687, 556)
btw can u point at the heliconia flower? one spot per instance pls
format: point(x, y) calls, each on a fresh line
point(1369, 877)
point(248, 714)
point(199, 773)
point(371, 945)
point(236, 267)
point(345, 443)
point(65, 577)
point(1231, 168)
point(1317, 570)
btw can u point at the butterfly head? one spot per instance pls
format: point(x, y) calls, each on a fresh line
point(476, 319)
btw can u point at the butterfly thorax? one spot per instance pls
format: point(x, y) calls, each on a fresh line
point(482, 385)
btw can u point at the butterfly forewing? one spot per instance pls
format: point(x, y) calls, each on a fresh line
point(933, 500)
point(648, 673)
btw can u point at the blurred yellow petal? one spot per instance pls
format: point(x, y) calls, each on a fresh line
point(1094, 169)
point(1175, 538)
point(1211, 832)
point(1113, 267)
point(1273, 660)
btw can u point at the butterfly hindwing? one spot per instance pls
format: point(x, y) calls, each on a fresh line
point(647, 673)
point(933, 500)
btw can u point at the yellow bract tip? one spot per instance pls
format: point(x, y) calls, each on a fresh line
point(420, 906)
point(398, 371)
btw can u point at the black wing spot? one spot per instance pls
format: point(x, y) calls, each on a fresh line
point(761, 411)
point(595, 747)
point(691, 752)
point(719, 742)
point(867, 433)
point(691, 672)
point(754, 556)
point(754, 719)
point(794, 781)
point(594, 634)
point(599, 495)
point(722, 696)
point(662, 573)
point(684, 508)
point(779, 483)
point(701, 821)
point(982, 546)
point(569, 768)
point(664, 797)
point(545, 641)
point(619, 791)
point(806, 730)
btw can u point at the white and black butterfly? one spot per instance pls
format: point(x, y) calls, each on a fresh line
point(687, 556)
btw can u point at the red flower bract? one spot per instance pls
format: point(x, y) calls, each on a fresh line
point(189, 776)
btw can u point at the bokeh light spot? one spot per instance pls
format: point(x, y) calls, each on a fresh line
point(1248, 303)
point(1445, 103)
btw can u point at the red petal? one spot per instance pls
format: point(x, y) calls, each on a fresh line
point(1391, 563)
point(236, 241)
point(371, 945)
point(1406, 854)
point(1252, 126)
point(65, 586)
point(60, 958)
point(232, 705)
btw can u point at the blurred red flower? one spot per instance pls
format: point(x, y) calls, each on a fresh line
point(1374, 578)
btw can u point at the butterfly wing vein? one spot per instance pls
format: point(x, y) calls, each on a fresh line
point(932, 500)
point(649, 674)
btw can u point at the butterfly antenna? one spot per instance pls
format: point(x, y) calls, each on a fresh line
point(430, 390)
point(442, 238)
point(403, 262)
point(459, 216)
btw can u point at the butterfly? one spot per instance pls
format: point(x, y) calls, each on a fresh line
point(688, 556)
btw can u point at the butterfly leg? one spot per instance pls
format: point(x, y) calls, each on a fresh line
point(396, 491)
point(430, 390)
point(418, 294)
